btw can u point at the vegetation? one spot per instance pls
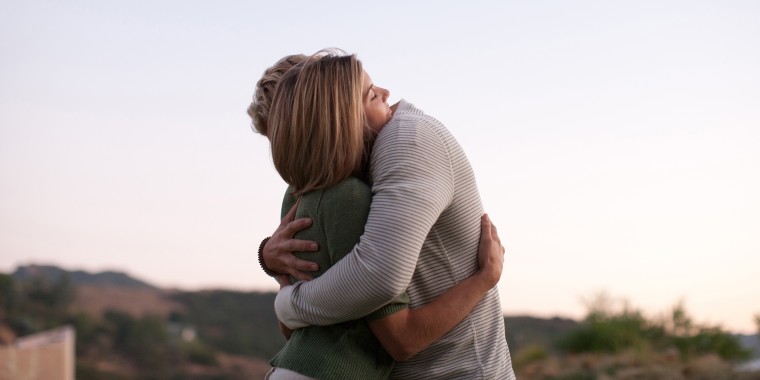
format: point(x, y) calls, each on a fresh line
point(524, 332)
point(611, 330)
point(235, 322)
point(145, 347)
point(38, 305)
point(614, 340)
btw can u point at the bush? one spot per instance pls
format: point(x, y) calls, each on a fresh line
point(200, 354)
point(607, 329)
point(86, 329)
point(528, 355)
point(710, 340)
point(35, 305)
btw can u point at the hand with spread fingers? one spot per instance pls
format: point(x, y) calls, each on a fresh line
point(277, 252)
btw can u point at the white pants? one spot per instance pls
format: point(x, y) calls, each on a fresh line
point(285, 374)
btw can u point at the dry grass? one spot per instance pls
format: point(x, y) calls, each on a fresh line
point(95, 300)
point(631, 365)
point(251, 368)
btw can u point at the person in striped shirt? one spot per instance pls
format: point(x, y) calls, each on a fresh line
point(421, 236)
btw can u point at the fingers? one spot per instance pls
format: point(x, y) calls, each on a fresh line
point(294, 226)
point(497, 239)
point(278, 252)
point(486, 228)
point(490, 252)
point(294, 245)
point(303, 265)
point(494, 234)
point(296, 267)
point(290, 216)
point(303, 276)
point(299, 268)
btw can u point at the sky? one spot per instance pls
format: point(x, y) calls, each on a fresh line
point(615, 144)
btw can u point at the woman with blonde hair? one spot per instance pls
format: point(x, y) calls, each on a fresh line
point(323, 116)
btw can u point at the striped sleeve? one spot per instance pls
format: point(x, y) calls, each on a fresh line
point(412, 185)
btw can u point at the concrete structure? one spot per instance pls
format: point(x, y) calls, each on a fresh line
point(48, 355)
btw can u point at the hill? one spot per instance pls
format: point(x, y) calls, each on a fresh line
point(79, 277)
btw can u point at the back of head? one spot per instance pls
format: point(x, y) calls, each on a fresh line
point(258, 110)
point(316, 123)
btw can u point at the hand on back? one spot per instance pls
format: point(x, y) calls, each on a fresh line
point(278, 251)
point(490, 252)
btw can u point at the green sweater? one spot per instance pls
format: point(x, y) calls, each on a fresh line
point(347, 350)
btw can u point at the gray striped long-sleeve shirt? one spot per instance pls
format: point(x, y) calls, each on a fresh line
point(421, 237)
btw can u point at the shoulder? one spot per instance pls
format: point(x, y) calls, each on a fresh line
point(410, 126)
point(411, 141)
point(351, 192)
point(288, 200)
point(349, 187)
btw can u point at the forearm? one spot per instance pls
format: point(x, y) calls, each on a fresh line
point(406, 333)
point(351, 289)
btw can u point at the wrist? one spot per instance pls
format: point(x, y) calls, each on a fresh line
point(266, 270)
point(485, 279)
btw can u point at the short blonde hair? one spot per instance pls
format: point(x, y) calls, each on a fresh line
point(258, 110)
point(317, 126)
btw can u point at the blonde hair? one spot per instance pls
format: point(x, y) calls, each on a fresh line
point(258, 110)
point(317, 126)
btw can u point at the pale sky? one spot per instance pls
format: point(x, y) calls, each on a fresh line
point(616, 144)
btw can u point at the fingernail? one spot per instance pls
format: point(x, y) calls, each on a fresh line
point(314, 268)
point(313, 246)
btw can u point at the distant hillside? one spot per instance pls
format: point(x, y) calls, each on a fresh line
point(97, 300)
point(53, 274)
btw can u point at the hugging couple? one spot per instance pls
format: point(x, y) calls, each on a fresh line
point(386, 262)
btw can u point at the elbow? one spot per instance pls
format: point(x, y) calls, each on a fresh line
point(393, 286)
point(393, 291)
point(399, 346)
point(389, 291)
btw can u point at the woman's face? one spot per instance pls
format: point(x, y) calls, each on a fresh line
point(375, 101)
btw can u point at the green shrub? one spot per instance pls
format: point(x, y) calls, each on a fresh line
point(528, 355)
point(199, 353)
point(710, 340)
point(609, 330)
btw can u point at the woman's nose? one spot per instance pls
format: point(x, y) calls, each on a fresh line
point(386, 94)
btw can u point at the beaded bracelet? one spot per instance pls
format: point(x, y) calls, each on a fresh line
point(266, 270)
